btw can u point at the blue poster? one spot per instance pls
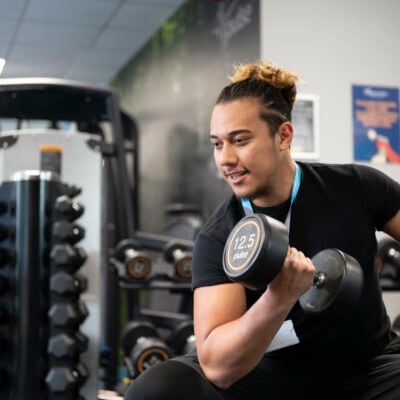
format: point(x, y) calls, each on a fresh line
point(376, 124)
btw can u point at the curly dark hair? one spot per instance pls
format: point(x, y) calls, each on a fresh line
point(272, 86)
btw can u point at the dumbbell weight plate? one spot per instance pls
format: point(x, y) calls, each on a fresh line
point(133, 331)
point(175, 253)
point(255, 250)
point(4, 378)
point(148, 352)
point(183, 265)
point(181, 335)
point(138, 265)
point(341, 287)
point(396, 325)
point(136, 262)
point(142, 346)
point(388, 263)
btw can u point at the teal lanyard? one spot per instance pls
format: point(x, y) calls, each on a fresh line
point(248, 207)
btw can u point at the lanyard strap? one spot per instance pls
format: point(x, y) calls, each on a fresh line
point(248, 207)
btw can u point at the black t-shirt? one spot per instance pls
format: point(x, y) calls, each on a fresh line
point(337, 206)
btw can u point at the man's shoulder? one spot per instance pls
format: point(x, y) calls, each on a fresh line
point(343, 172)
point(325, 170)
point(225, 216)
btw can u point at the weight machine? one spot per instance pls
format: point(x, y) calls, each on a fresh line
point(74, 139)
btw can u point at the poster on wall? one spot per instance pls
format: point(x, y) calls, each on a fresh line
point(305, 120)
point(376, 126)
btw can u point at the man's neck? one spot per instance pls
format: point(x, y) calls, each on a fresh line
point(282, 187)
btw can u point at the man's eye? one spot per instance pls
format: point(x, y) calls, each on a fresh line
point(238, 140)
point(216, 145)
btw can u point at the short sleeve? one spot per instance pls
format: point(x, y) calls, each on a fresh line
point(207, 262)
point(382, 194)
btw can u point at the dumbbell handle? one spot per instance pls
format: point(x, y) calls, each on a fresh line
point(319, 279)
point(394, 254)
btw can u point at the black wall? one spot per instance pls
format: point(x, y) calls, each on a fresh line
point(170, 87)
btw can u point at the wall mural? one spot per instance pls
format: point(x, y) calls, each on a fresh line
point(170, 87)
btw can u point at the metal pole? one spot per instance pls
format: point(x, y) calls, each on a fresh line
point(31, 285)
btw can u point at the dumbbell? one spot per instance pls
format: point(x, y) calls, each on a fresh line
point(67, 285)
point(5, 257)
point(65, 346)
point(388, 262)
point(142, 346)
point(63, 380)
point(68, 314)
point(4, 378)
point(136, 262)
point(70, 190)
point(4, 346)
point(4, 231)
point(82, 340)
point(68, 208)
point(67, 257)
point(181, 259)
point(182, 337)
point(396, 325)
point(180, 326)
point(4, 285)
point(256, 249)
point(68, 232)
point(5, 314)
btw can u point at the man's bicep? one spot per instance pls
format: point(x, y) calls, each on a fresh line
point(216, 305)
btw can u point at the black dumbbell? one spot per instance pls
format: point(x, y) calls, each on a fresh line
point(4, 378)
point(67, 257)
point(5, 314)
point(180, 257)
point(68, 208)
point(137, 264)
point(388, 262)
point(68, 314)
point(4, 257)
point(64, 347)
point(142, 346)
point(70, 190)
point(4, 231)
point(256, 250)
point(3, 207)
point(65, 380)
point(182, 337)
point(69, 232)
point(396, 325)
point(4, 285)
point(82, 340)
point(67, 285)
point(4, 346)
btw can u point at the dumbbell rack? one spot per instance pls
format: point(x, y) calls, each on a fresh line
point(39, 299)
point(97, 149)
point(144, 338)
point(172, 276)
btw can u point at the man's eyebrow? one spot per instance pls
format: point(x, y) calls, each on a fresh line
point(232, 133)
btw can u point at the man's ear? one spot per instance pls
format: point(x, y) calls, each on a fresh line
point(285, 132)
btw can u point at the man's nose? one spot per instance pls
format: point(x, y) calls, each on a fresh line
point(227, 155)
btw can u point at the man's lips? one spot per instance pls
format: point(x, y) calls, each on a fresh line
point(236, 176)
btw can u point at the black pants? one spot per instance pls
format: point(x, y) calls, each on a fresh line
point(182, 379)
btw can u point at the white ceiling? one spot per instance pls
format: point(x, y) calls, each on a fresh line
point(82, 40)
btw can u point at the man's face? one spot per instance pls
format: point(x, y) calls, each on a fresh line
point(245, 152)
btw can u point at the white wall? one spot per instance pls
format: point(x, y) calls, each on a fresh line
point(333, 44)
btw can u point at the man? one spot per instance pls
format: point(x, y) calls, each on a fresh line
point(352, 356)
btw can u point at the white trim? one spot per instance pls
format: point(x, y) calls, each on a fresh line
point(308, 127)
